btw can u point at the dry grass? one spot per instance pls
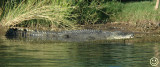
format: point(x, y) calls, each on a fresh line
point(50, 10)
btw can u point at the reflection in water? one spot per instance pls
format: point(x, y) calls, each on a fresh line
point(156, 53)
point(21, 53)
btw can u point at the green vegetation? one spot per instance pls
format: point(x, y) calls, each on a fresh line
point(96, 11)
point(57, 12)
point(67, 14)
point(139, 12)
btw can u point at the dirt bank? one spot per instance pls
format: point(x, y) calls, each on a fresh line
point(126, 27)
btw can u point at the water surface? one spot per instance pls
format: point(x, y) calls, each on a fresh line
point(19, 53)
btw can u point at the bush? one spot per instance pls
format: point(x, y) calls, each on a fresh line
point(91, 12)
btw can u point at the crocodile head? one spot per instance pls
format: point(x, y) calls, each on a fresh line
point(121, 35)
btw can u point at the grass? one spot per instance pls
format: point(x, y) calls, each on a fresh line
point(55, 11)
point(139, 12)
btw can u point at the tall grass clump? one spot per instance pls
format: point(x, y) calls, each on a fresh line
point(95, 11)
point(57, 12)
point(136, 12)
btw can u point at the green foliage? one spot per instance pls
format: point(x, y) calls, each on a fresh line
point(91, 12)
point(111, 9)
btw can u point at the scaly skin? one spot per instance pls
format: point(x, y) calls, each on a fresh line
point(78, 35)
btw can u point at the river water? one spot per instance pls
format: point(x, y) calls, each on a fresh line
point(20, 53)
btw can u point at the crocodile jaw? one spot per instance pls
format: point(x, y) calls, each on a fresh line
point(121, 36)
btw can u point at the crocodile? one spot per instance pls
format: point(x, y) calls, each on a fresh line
point(76, 35)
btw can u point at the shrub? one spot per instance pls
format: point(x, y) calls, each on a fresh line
point(91, 12)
